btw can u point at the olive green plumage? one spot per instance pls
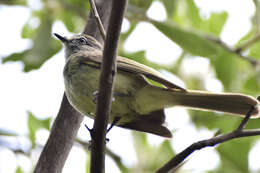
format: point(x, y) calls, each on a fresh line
point(138, 104)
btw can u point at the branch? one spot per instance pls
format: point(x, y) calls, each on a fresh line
point(117, 159)
point(237, 133)
point(251, 60)
point(248, 44)
point(108, 71)
point(104, 10)
point(98, 20)
point(68, 120)
point(63, 133)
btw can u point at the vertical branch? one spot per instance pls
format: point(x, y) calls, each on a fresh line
point(68, 120)
point(108, 70)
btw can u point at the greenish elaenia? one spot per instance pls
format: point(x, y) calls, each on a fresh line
point(137, 104)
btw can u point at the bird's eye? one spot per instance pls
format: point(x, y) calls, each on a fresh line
point(83, 40)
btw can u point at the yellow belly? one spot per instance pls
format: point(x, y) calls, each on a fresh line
point(80, 88)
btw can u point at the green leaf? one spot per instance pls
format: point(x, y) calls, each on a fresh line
point(188, 40)
point(141, 3)
point(35, 124)
point(13, 2)
point(193, 14)
point(234, 156)
point(44, 47)
point(19, 170)
point(254, 50)
point(68, 19)
point(213, 121)
point(226, 68)
point(126, 34)
point(165, 151)
point(170, 6)
point(28, 31)
point(216, 22)
point(149, 157)
point(251, 85)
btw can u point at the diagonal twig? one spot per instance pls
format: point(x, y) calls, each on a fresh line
point(98, 20)
point(237, 133)
point(252, 61)
point(245, 120)
point(248, 44)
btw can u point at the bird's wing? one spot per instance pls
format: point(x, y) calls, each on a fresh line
point(131, 66)
point(135, 67)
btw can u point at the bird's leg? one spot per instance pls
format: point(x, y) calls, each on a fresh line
point(91, 135)
point(114, 122)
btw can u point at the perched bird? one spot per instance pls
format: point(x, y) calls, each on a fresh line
point(137, 104)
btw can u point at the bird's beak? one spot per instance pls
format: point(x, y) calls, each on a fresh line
point(63, 39)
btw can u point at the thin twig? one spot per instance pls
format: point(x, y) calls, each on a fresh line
point(108, 71)
point(98, 20)
point(245, 120)
point(237, 133)
point(251, 60)
point(248, 44)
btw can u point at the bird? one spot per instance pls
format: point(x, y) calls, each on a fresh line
point(137, 103)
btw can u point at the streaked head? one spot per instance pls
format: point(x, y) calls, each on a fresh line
point(81, 42)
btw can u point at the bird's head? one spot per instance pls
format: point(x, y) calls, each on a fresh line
point(76, 43)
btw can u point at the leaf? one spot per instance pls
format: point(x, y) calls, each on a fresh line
point(170, 6)
point(28, 31)
point(216, 22)
point(126, 34)
point(68, 18)
point(19, 170)
point(44, 47)
point(251, 85)
point(254, 50)
point(149, 157)
point(226, 68)
point(35, 124)
point(234, 156)
point(141, 3)
point(13, 2)
point(214, 121)
point(193, 14)
point(165, 151)
point(188, 40)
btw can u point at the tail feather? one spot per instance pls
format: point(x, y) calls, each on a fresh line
point(152, 98)
point(238, 104)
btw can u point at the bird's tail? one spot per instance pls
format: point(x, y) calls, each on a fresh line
point(158, 98)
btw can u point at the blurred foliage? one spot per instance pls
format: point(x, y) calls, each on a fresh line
point(196, 34)
point(34, 124)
